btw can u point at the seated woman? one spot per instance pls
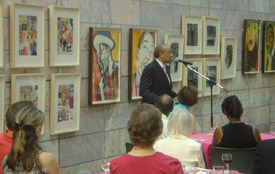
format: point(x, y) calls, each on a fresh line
point(26, 155)
point(144, 127)
point(178, 145)
point(235, 134)
point(187, 97)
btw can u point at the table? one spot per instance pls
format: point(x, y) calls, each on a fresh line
point(205, 139)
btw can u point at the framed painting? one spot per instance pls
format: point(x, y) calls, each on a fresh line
point(64, 36)
point(211, 35)
point(104, 65)
point(191, 78)
point(26, 36)
point(142, 43)
point(211, 69)
point(1, 37)
point(2, 99)
point(268, 62)
point(228, 57)
point(251, 46)
point(192, 31)
point(175, 42)
point(65, 103)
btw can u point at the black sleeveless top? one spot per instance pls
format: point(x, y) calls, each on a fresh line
point(237, 135)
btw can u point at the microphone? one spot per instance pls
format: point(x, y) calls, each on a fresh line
point(183, 61)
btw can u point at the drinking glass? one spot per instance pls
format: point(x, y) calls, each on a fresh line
point(272, 131)
point(227, 158)
point(218, 169)
point(105, 166)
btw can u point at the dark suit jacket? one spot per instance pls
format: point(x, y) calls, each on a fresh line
point(265, 157)
point(154, 83)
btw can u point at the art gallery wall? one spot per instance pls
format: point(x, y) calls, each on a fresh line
point(103, 130)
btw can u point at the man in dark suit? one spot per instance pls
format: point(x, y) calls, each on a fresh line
point(155, 79)
point(264, 162)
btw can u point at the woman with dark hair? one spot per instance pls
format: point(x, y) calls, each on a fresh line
point(144, 127)
point(235, 134)
point(26, 156)
point(187, 97)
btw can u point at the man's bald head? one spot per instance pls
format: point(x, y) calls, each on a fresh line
point(165, 104)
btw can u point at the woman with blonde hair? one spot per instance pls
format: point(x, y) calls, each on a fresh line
point(178, 144)
point(26, 155)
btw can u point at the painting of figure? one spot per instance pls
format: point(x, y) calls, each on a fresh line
point(65, 30)
point(142, 51)
point(269, 47)
point(192, 34)
point(29, 93)
point(251, 47)
point(27, 35)
point(105, 65)
point(211, 35)
point(65, 102)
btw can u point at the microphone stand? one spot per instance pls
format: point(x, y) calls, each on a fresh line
point(211, 84)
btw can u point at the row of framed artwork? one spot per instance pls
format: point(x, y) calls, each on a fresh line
point(64, 99)
point(27, 36)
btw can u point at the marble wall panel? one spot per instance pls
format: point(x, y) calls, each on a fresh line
point(121, 12)
point(162, 32)
point(258, 6)
point(218, 4)
point(239, 5)
point(155, 14)
point(271, 81)
point(243, 96)
point(259, 97)
point(206, 125)
point(235, 20)
point(272, 96)
point(81, 149)
point(124, 64)
point(46, 136)
point(239, 36)
point(198, 11)
point(50, 146)
point(6, 33)
point(246, 116)
point(115, 142)
point(239, 65)
point(178, 11)
point(258, 16)
point(124, 90)
point(272, 113)
point(271, 6)
point(239, 82)
point(259, 80)
point(206, 103)
point(84, 64)
point(259, 115)
point(198, 127)
point(199, 3)
point(271, 17)
point(181, 2)
point(159, 1)
point(219, 13)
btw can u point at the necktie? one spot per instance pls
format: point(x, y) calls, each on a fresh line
point(165, 71)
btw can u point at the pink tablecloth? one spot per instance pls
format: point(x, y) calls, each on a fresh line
point(206, 140)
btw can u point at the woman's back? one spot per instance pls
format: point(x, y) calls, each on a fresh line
point(157, 163)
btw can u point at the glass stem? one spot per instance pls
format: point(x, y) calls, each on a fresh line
point(227, 167)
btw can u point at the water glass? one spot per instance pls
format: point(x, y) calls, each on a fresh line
point(218, 169)
point(105, 166)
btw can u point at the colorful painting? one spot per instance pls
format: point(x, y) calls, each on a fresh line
point(105, 65)
point(65, 102)
point(29, 93)
point(65, 35)
point(228, 58)
point(251, 48)
point(27, 35)
point(269, 47)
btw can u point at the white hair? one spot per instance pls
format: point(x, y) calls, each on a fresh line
point(180, 122)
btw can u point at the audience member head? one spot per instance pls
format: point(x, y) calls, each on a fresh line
point(165, 104)
point(180, 122)
point(25, 148)
point(188, 96)
point(232, 106)
point(145, 125)
point(13, 109)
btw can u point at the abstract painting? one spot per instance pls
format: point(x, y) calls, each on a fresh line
point(269, 47)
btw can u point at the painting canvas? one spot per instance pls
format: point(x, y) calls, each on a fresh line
point(192, 31)
point(211, 35)
point(104, 62)
point(64, 36)
point(26, 36)
point(228, 58)
point(251, 46)
point(65, 103)
point(269, 47)
point(2, 99)
point(175, 42)
point(211, 69)
point(142, 43)
point(192, 78)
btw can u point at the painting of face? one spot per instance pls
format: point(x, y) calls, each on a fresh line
point(252, 35)
point(269, 49)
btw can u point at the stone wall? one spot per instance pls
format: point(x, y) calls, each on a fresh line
point(103, 131)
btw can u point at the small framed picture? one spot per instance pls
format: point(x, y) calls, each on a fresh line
point(2, 99)
point(192, 78)
point(211, 69)
point(29, 87)
point(142, 43)
point(211, 36)
point(104, 62)
point(251, 46)
point(64, 36)
point(192, 31)
point(175, 42)
point(269, 47)
point(228, 57)
point(65, 103)
point(26, 35)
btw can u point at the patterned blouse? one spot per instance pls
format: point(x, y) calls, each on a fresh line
point(20, 169)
